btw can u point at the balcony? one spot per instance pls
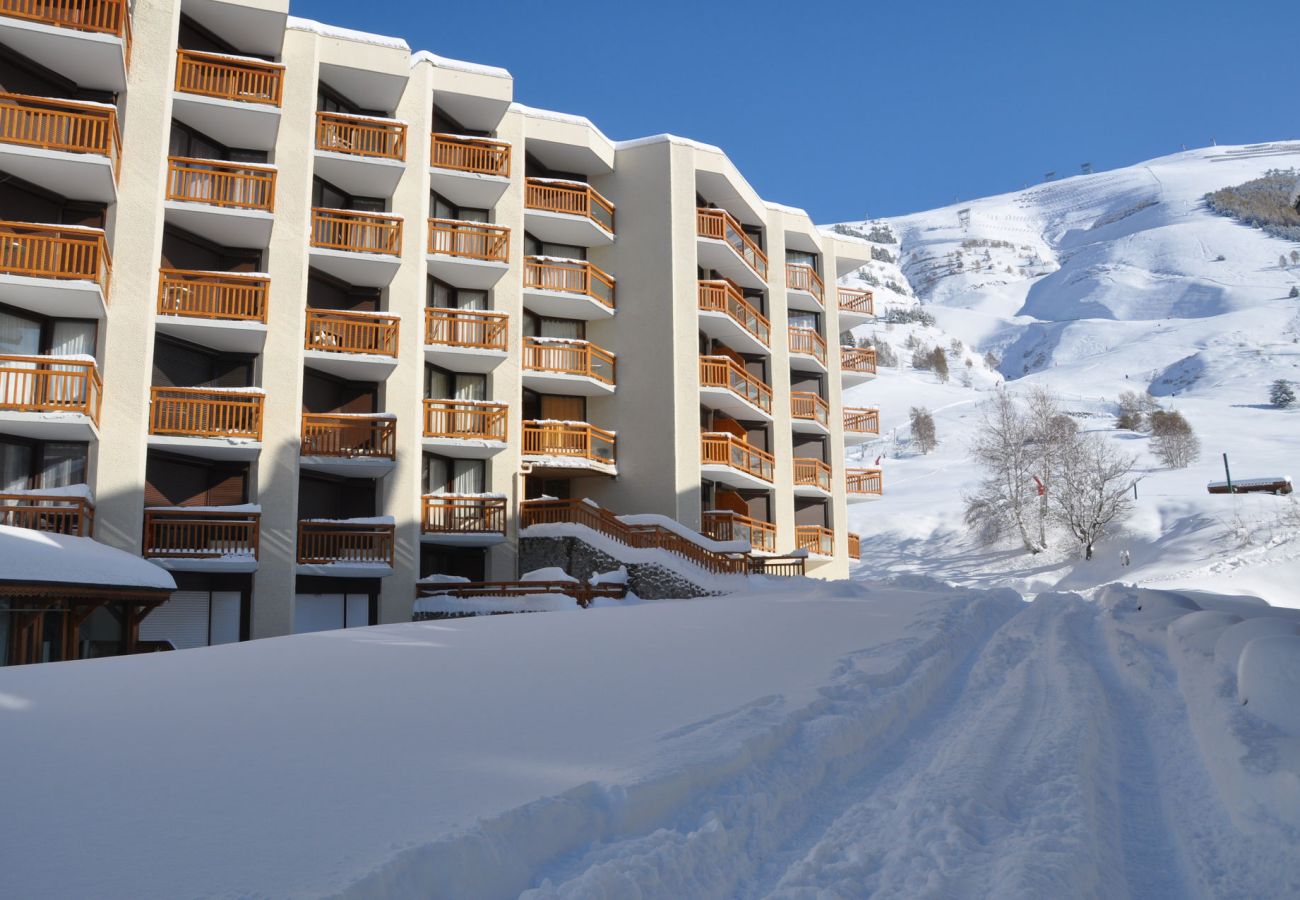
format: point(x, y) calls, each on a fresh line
point(49, 397)
point(68, 147)
point(468, 171)
point(358, 346)
point(726, 385)
point(812, 478)
point(362, 248)
point(804, 288)
point(863, 485)
point(235, 99)
point(730, 460)
point(472, 429)
point(227, 203)
point(723, 245)
point(568, 212)
point(856, 307)
point(222, 310)
point(213, 423)
point(54, 270)
point(807, 350)
point(567, 288)
point(86, 41)
point(725, 315)
point(346, 547)
point(809, 413)
point(571, 367)
point(53, 512)
point(363, 155)
point(566, 446)
point(857, 365)
point(818, 541)
point(724, 525)
point(360, 446)
point(855, 547)
point(468, 254)
point(465, 520)
point(465, 340)
point(212, 539)
point(861, 425)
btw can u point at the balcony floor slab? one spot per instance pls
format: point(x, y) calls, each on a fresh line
point(565, 305)
point(48, 426)
point(723, 327)
point(352, 366)
point(347, 466)
point(55, 297)
point(252, 126)
point(233, 448)
point(358, 269)
point(563, 228)
point(459, 271)
point(220, 334)
point(230, 565)
point(230, 227)
point(803, 301)
point(468, 189)
point(85, 176)
point(464, 359)
point(87, 58)
point(720, 256)
point(345, 569)
point(736, 478)
point(732, 404)
point(564, 383)
point(361, 176)
point(463, 538)
point(851, 379)
point(464, 448)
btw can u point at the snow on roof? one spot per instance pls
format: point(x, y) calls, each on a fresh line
point(666, 138)
point(553, 116)
point(458, 65)
point(781, 207)
point(41, 557)
point(346, 34)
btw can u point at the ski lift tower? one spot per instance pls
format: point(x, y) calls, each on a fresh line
point(1086, 168)
point(963, 218)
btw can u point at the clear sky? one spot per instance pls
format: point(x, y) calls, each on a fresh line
point(860, 108)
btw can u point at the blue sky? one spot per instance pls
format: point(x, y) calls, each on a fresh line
point(871, 108)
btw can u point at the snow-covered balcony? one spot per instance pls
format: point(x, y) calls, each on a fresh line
point(69, 147)
point(472, 429)
point(209, 422)
point(203, 538)
point(234, 99)
point(54, 270)
point(65, 510)
point(809, 413)
point(358, 346)
point(222, 310)
point(362, 248)
point(730, 460)
point(807, 350)
point(228, 203)
point(815, 539)
point(862, 485)
point(567, 288)
point(468, 254)
point(346, 548)
point(567, 366)
point(349, 444)
point(812, 478)
point(86, 41)
point(861, 424)
point(857, 365)
point(471, 172)
point(50, 398)
point(568, 212)
point(465, 340)
point(463, 520)
point(725, 525)
point(363, 155)
point(727, 316)
point(856, 307)
point(722, 244)
point(725, 385)
point(573, 447)
point(804, 289)
point(855, 546)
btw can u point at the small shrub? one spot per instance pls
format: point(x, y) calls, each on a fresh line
point(1281, 394)
point(923, 429)
point(939, 363)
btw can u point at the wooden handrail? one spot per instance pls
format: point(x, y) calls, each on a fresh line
point(465, 419)
point(720, 225)
point(360, 136)
point(103, 16)
point(218, 183)
point(725, 525)
point(341, 331)
point(212, 295)
point(858, 301)
point(569, 199)
point(784, 566)
point(855, 546)
point(469, 240)
point(863, 481)
point(577, 439)
point(858, 359)
point(57, 513)
point(473, 328)
point(244, 80)
point(200, 534)
point(865, 420)
point(812, 473)
point(807, 405)
point(205, 413)
point(580, 591)
point(570, 277)
point(478, 155)
point(357, 232)
point(725, 297)
point(51, 251)
point(721, 448)
point(349, 436)
point(803, 277)
point(322, 543)
point(577, 358)
point(452, 514)
point(808, 342)
point(725, 372)
point(50, 384)
point(815, 539)
point(67, 125)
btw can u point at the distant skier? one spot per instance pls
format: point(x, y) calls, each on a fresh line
point(1124, 558)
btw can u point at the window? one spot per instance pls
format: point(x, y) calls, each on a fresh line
point(801, 257)
point(444, 296)
point(543, 326)
point(444, 209)
point(440, 384)
point(453, 476)
point(326, 612)
point(34, 465)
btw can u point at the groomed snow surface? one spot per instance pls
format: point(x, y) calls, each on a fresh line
point(814, 740)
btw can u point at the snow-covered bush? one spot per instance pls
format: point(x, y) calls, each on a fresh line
point(880, 254)
point(912, 315)
point(1263, 203)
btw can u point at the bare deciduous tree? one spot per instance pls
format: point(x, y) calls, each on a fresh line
point(923, 429)
point(1051, 432)
point(1173, 440)
point(1005, 499)
point(1092, 489)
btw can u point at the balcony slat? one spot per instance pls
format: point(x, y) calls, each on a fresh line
point(807, 405)
point(45, 384)
point(569, 359)
point(720, 225)
point(349, 437)
point(66, 125)
point(568, 439)
point(200, 534)
point(725, 372)
point(224, 184)
point(575, 277)
point(862, 421)
point(721, 448)
point(808, 342)
point(357, 232)
point(724, 297)
point(198, 412)
point(469, 240)
point(470, 328)
point(570, 199)
point(227, 78)
point(478, 155)
point(812, 473)
point(465, 419)
point(212, 295)
point(462, 515)
point(802, 277)
point(858, 359)
point(863, 481)
point(815, 539)
point(724, 525)
point(857, 301)
point(103, 16)
point(340, 331)
point(323, 543)
point(57, 513)
point(48, 251)
point(360, 136)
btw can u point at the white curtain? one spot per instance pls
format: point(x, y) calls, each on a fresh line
point(467, 476)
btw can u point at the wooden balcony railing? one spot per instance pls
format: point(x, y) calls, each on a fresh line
point(720, 225)
point(50, 384)
point(575, 439)
point(570, 198)
point(52, 251)
point(462, 514)
point(340, 331)
point(102, 16)
point(812, 473)
point(808, 342)
point(720, 448)
point(810, 406)
point(855, 546)
point(858, 359)
point(569, 277)
point(569, 358)
point(361, 136)
point(205, 413)
point(856, 301)
point(357, 232)
point(224, 184)
point(725, 372)
point(724, 525)
point(200, 534)
point(862, 421)
point(863, 481)
point(321, 542)
point(58, 513)
point(244, 80)
point(478, 155)
point(67, 125)
point(469, 240)
point(465, 419)
point(213, 295)
point(725, 297)
point(815, 539)
point(349, 436)
point(475, 329)
point(803, 277)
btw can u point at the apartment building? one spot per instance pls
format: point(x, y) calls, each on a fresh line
point(313, 317)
